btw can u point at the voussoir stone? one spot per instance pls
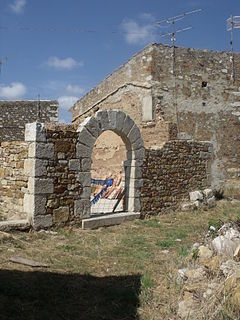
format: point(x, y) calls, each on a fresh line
point(85, 137)
point(83, 151)
point(92, 125)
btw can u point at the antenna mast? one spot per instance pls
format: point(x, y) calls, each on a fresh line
point(171, 21)
point(233, 23)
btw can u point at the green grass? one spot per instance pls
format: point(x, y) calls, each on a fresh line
point(165, 243)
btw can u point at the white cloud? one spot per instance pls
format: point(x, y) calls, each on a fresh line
point(147, 17)
point(75, 89)
point(139, 33)
point(13, 91)
point(63, 64)
point(18, 6)
point(65, 102)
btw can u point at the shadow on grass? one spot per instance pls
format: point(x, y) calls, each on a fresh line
point(44, 295)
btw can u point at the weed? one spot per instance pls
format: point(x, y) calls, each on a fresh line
point(176, 234)
point(195, 254)
point(165, 243)
point(146, 281)
point(69, 247)
point(216, 223)
point(219, 194)
point(153, 223)
point(183, 251)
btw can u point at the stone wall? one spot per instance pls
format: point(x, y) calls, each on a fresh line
point(205, 100)
point(12, 179)
point(53, 174)
point(171, 172)
point(202, 101)
point(15, 114)
point(64, 170)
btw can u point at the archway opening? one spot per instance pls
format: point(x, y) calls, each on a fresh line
point(108, 174)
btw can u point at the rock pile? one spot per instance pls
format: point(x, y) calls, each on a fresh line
point(200, 199)
point(211, 282)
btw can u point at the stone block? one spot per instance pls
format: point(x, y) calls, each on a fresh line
point(112, 116)
point(40, 185)
point(133, 172)
point(134, 163)
point(34, 204)
point(82, 208)
point(86, 193)
point(127, 126)
point(85, 137)
point(60, 215)
point(138, 144)
point(208, 193)
point(195, 195)
point(189, 206)
point(74, 165)
point(109, 220)
point(41, 150)
point(35, 167)
point(86, 164)
point(120, 117)
point(92, 125)
point(133, 192)
point(134, 135)
point(138, 154)
point(211, 202)
point(35, 132)
point(84, 178)
point(133, 204)
point(42, 221)
point(83, 151)
point(103, 119)
point(147, 108)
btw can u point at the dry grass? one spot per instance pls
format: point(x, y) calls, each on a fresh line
point(120, 272)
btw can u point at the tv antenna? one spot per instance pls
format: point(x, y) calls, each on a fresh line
point(172, 21)
point(2, 61)
point(233, 23)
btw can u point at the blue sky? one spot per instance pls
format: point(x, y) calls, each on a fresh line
point(60, 49)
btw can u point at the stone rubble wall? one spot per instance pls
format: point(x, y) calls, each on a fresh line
point(59, 163)
point(53, 174)
point(13, 181)
point(15, 114)
point(171, 172)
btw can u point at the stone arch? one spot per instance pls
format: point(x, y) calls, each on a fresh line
point(88, 132)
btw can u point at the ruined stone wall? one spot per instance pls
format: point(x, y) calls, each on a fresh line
point(171, 172)
point(201, 100)
point(63, 169)
point(12, 179)
point(15, 114)
point(205, 98)
point(134, 74)
point(128, 89)
point(53, 174)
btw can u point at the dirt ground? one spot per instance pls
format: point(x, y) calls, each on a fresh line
point(119, 272)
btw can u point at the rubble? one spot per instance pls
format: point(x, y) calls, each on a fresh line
point(198, 199)
point(213, 273)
